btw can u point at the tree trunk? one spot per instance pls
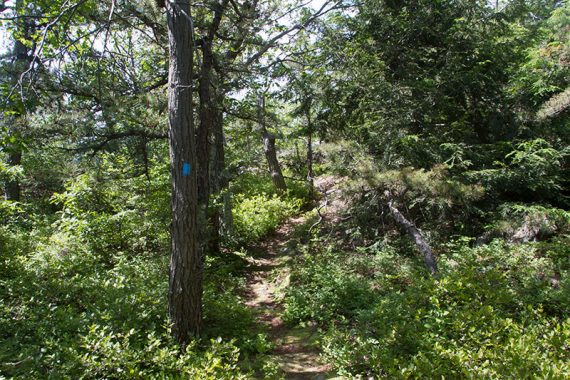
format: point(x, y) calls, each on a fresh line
point(221, 217)
point(21, 62)
point(186, 262)
point(206, 115)
point(270, 151)
point(415, 235)
point(310, 172)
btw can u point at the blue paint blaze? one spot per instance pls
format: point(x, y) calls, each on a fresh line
point(186, 169)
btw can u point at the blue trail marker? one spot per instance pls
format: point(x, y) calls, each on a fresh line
point(186, 169)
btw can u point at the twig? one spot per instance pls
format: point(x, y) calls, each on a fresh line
point(321, 217)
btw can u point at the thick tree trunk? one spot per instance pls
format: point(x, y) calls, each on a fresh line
point(270, 151)
point(207, 116)
point(415, 235)
point(186, 262)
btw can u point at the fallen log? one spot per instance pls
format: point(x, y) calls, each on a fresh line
point(415, 234)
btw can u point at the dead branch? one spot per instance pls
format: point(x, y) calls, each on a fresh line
point(414, 233)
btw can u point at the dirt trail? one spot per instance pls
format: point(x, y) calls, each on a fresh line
point(296, 348)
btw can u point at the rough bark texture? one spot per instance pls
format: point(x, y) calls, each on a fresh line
point(415, 235)
point(274, 167)
point(210, 119)
point(186, 263)
point(270, 151)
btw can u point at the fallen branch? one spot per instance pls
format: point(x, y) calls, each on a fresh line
point(321, 217)
point(414, 234)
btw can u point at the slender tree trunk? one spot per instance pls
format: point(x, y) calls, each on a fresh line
point(310, 172)
point(415, 235)
point(21, 62)
point(221, 217)
point(207, 116)
point(186, 262)
point(225, 220)
point(270, 151)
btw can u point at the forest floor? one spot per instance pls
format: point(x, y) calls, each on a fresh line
point(296, 348)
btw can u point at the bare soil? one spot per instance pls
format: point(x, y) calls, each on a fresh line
point(296, 348)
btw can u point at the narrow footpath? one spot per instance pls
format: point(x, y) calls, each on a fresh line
point(295, 348)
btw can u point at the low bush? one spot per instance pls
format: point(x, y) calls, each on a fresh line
point(258, 210)
point(66, 312)
point(255, 216)
point(323, 290)
point(496, 311)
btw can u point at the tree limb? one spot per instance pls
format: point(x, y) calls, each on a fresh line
point(414, 233)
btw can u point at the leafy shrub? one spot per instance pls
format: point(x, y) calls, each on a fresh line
point(527, 222)
point(67, 313)
point(258, 209)
point(108, 218)
point(323, 290)
point(113, 356)
point(255, 216)
point(533, 170)
point(493, 311)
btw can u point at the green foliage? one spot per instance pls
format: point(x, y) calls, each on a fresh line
point(255, 216)
point(532, 170)
point(528, 222)
point(492, 312)
point(545, 71)
point(112, 356)
point(68, 312)
point(323, 290)
point(448, 108)
point(108, 217)
point(258, 210)
point(433, 188)
point(85, 297)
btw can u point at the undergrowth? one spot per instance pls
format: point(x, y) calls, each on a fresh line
point(84, 294)
point(495, 311)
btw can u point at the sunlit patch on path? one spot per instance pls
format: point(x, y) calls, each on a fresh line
point(296, 348)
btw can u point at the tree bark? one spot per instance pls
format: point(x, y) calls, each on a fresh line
point(270, 151)
point(21, 61)
point(206, 116)
point(186, 262)
point(415, 235)
point(221, 217)
point(310, 172)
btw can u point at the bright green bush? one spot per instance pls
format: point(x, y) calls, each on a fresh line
point(532, 170)
point(256, 216)
point(257, 209)
point(65, 313)
point(109, 218)
point(518, 222)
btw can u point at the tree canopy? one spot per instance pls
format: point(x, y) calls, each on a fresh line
point(190, 188)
